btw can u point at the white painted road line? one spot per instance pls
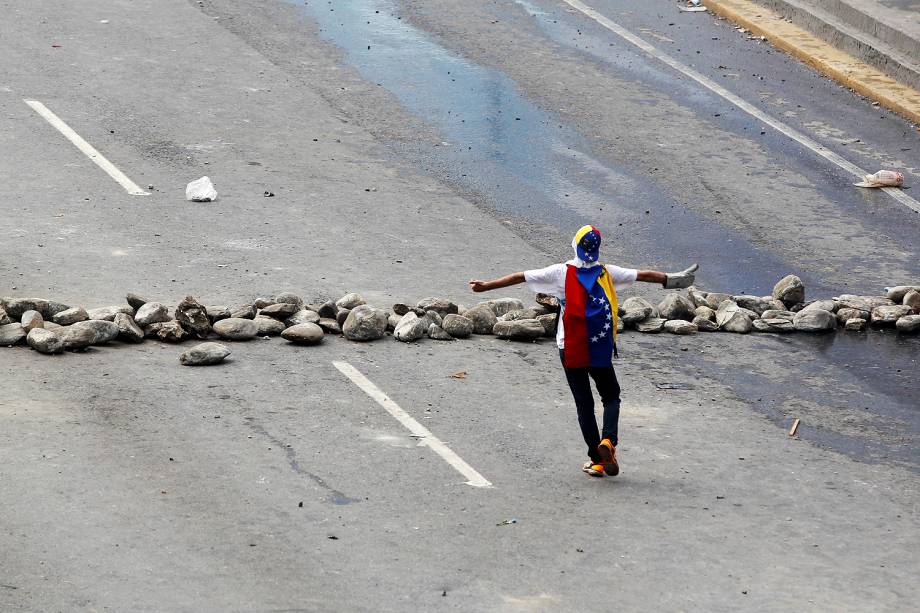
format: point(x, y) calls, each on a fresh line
point(88, 150)
point(745, 106)
point(424, 435)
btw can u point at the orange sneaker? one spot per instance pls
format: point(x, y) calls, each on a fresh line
point(608, 453)
point(595, 470)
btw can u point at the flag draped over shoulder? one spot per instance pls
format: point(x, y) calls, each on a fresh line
point(590, 317)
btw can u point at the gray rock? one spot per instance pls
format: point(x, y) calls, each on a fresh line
point(71, 316)
point(411, 328)
point(550, 302)
point(500, 306)
point(193, 317)
point(329, 326)
point(342, 315)
point(680, 326)
point(483, 318)
point(50, 325)
point(303, 316)
point(441, 305)
point(328, 310)
point(128, 330)
point(704, 312)
point(279, 310)
point(777, 314)
point(15, 307)
point(863, 303)
point(549, 324)
point(135, 300)
point(103, 331)
point(909, 324)
point(790, 290)
point(697, 297)
point(401, 309)
point(45, 341)
point(437, 333)
point(752, 315)
point(151, 313)
point(166, 331)
point(822, 305)
point(4, 318)
point(108, 313)
point(53, 308)
point(236, 328)
point(896, 294)
point(245, 311)
point(434, 317)
point(365, 323)
point(754, 303)
point(856, 324)
point(912, 299)
point(77, 338)
point(393, 321)
point(714, 299)
point(11, 334)
point(651, 326)
point(520, 329)
point(289, 298)
point(268, 326)
point(704, 324)
point(846, 314)
point(676, 306)
point(731, 318)
point(458, 326)
point(204, 354)
point(307, 333)
point(886, 316)
point(31, 320)
point(262, 302)
point(774, 324)
point(350, 301)
point(216, 312)
point(637, 309)
point(814, 320)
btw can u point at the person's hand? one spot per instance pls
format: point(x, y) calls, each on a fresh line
point(478, 286)
point(682, 279)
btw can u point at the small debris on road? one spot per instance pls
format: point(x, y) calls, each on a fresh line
point(795, 426)
point(268, 194)
point(459, 375)
point(200, 190)
point(883, 178)
point(508, 522)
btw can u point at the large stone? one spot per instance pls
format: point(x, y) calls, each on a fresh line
point(365, 323)
point(549, 324)
point(289, 298)
point(236, 328)
point(268, 326)
point(519, 329)
point(103, 331)
point(45, 341)
point(676, 306)
point(441, 305)
point(411, 328)
point(128, 330)
point(775, 324)
point(151, 313)
point(863, 303)
point(846, 314)
point(896, 294)
point(303, 316)
point(550, 302)
point(11, 334)
point(401, 308)
point(328, 310)
point(31, 320)
point(108, 313)
point(753, 303)
point(637, 309)
point(886, 316)
point(71, 316)
point(458, 326)
point(500, 306)
point(856, 324)
point(697, 297)
point(705, 312)
point(652, 325)
point(166, 331)
point(822, 305)
point(193, 317)
point(135, 300)
point(790, 290)
point(434, 317)
point(483, 318)
point(437, 333)
point(704, 324)
point(777, 314)
point(50, 325)
point(714, 299)
point(909, 324)
point(15, 307)
point(76, 337)
point(204, 354)
point(262, 302)
point(217, 312)
point(731, 318)
point(912, 299)
point(350, 301)
point(329, 326)
point(342, 315)
point(245, 311)
point(4, 318)
point(393, 321)
point(814, 320)
point(307, 333)
point(52, 308)
point(680, 326)
point(279, 310)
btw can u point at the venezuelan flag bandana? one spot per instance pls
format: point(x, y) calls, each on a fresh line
point(590, 316)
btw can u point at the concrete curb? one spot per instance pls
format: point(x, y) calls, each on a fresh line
point(854, 73)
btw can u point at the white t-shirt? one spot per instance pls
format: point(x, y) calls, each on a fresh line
point(551, 280)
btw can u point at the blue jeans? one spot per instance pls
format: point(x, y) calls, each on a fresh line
point(605, 379)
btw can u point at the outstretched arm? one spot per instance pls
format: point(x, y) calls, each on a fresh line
point(651, 276)
point(670, 280)
point(484, 286)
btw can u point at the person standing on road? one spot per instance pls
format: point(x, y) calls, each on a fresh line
point(586, 333)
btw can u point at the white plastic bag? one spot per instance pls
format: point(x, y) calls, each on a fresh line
point(200, 190)
point(883, 178)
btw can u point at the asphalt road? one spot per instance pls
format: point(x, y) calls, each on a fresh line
point(469, 139)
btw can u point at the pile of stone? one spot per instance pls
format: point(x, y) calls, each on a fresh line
point(52, 327)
